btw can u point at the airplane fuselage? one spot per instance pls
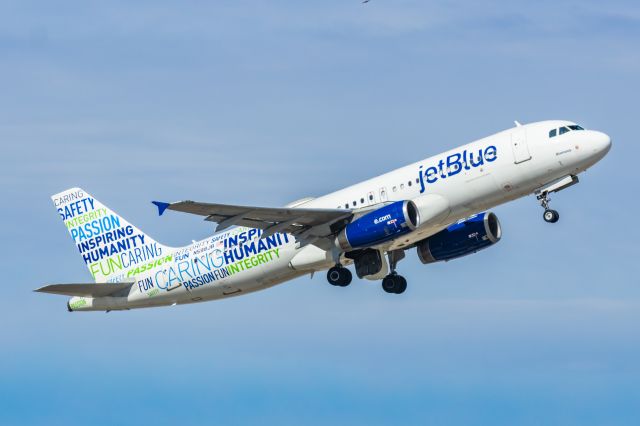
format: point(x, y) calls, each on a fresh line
point(472, 178)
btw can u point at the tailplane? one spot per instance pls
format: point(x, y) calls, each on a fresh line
point(113, 249)
point(87, 289)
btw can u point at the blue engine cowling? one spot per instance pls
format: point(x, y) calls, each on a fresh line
point(461, 238)
point(379, 226)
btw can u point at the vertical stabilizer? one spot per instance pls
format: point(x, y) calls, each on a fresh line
point(113, 249)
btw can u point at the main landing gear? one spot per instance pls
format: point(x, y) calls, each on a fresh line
point(549, 215)
point(394, 283)
point(339, 276)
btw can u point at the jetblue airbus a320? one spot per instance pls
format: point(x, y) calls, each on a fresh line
point(435, 208)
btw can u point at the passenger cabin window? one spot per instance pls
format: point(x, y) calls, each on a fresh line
point(553, 133)
point(361, 200)
point(563, 130)
point(346, 205)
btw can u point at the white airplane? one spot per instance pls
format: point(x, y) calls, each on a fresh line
point(435, 206)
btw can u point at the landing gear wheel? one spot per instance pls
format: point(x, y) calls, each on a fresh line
point(551, 216)
point(394, 283)
point(389, 284)
point(402, 285)
point(339, 276)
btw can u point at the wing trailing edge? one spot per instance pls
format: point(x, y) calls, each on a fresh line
point(298, 221)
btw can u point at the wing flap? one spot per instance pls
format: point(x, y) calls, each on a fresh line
point(86, 289)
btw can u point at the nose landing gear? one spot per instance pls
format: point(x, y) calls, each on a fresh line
point(552, 216)
point(549, 215)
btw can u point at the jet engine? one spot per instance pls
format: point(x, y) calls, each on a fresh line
point(391, 221)
point(460, 239)
point(379, 226)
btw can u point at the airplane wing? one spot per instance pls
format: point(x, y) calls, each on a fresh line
point(86, 289)
point(304, 223)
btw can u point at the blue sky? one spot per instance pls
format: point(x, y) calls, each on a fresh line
point(264, 102)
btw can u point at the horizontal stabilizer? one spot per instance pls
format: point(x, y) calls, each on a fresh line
point(86, 290)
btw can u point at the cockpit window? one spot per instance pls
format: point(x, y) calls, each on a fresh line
point(562, 130)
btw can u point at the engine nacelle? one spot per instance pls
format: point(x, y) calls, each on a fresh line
point(461, 238)
point(379, 226)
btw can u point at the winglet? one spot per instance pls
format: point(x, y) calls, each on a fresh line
point(162, 206)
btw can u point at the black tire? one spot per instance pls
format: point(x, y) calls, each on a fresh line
point(551, 216)
point(333, 276)
point(339, 276)
point(402, 284)
point(390, 284)
point(346, 277)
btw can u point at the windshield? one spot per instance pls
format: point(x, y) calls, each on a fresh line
point(564, 129)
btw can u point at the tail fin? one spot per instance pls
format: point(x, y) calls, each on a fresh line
point(112, 248)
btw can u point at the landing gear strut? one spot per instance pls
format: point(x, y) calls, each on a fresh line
point(339, 276)
point(394, 283)
point(550, 216)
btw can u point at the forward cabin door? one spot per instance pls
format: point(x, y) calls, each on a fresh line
point(519, 146)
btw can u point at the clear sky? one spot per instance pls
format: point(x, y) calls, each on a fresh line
point(264, 102)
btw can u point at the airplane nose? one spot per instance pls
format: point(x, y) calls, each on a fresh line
point(601, 143)
point(593, 147)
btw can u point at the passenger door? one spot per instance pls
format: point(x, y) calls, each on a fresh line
point(519, 146)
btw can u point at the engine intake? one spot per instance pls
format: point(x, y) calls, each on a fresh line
point(460, 239)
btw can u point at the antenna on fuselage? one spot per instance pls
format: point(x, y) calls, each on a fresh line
point(518, 124)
